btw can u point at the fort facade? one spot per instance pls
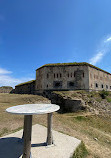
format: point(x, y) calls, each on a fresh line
point(71, 76)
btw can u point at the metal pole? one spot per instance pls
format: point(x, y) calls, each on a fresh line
point(27, 136)
point(49, 129)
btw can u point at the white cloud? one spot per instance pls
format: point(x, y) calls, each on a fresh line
point(108, 39)
point(96, 58)
point(7, 80)
point(104, 48)
point(3, 71)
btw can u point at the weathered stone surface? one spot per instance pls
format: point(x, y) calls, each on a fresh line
point(72, 77)
point(25, 88)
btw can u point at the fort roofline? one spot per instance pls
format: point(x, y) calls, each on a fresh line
point(73, 64)
point(25, 83)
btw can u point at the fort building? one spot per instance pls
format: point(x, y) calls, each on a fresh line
point(71, 76)
point(25, 88)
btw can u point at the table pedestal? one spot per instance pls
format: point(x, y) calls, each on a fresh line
point(49, 129)
point(27, 136)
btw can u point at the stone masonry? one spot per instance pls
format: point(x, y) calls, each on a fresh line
point(71, 76)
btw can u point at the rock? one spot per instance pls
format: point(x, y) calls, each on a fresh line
point(96, 139)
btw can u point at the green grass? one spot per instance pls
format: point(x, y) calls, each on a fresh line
point(108, 99)
point(81, 151)
point(4, 131)
point(81, 118)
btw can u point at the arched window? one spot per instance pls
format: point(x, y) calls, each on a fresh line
point(96, 85)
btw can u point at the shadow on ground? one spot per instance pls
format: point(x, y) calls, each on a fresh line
point(10, 147)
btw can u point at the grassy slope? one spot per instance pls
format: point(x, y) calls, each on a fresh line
point(93, 130)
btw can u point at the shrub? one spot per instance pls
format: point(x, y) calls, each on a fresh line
point(104, 94)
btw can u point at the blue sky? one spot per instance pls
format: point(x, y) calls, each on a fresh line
point(37, 32)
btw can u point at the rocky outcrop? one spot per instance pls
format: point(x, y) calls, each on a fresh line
point(66, 103)
point(5, 89)
point(73, 101)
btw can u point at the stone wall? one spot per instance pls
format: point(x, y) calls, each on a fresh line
point(62, 78)
point(99, 80)
point(72, 77)
point(25, 88)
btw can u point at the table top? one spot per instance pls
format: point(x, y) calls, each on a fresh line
point(33, 109)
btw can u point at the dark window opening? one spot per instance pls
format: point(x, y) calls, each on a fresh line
point(74, 74)
point(110, 87)
point(102, 86)
point(57, 75)
point(96, 85)
point(71, 74)
point(54, 75)
point(83, 74)
point(70, 84)
point(60, 75)
point(57, 84)
point(47, 85)
point(47, 75)
point(107, 86)
point(68, 75)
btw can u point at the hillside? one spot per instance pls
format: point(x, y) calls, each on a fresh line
point(93, 102)
point(93, 127)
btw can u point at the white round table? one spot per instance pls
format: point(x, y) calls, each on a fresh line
point(33, 109)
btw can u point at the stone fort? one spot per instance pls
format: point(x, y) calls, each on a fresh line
point(69, 76)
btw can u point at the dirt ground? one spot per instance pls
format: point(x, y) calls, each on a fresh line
point(93, 130)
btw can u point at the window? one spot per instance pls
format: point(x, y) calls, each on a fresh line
point(96, 85)
point(54, 75)
point(70, 84)
point(110, 87)
point(68, 75)
point(106, 86)
point(57, 75)
point(60, 75)
point(47, 85)
point(71, 74)
point(74, 74)
point(47, 75)
point(57, 84)
point(83, 74)
point(102, 86)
